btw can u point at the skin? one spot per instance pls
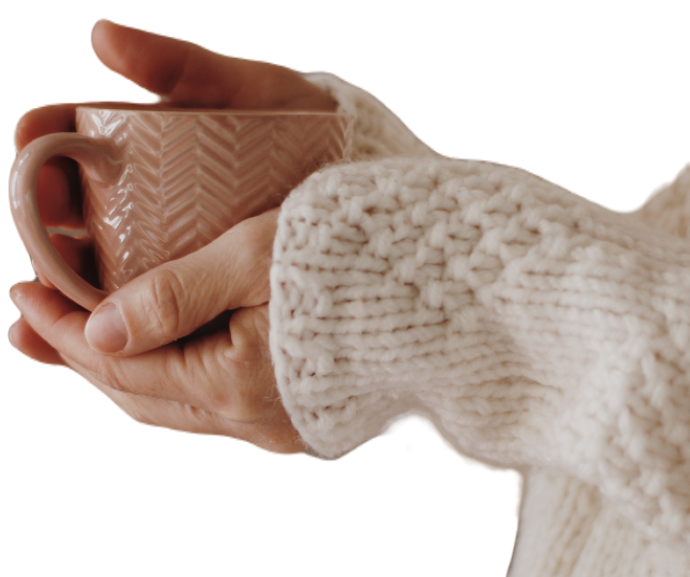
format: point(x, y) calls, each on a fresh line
point(220, 383)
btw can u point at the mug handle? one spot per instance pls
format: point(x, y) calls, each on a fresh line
point(101, 161)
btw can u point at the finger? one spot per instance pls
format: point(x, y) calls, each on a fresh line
point(174, 299)
point(195, 389)
point(198, 374)
point(154, 411)
point(189, 75)
point(52, 118)
point(276, 436)
point(26, 340)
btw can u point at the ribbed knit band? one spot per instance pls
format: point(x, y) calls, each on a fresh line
point(539, 328)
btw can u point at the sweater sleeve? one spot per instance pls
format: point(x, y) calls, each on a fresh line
point(668, 209)
point(537, 326)
point(534, 327)
point(378, 133)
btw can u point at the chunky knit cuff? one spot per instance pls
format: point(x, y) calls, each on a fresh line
point(536, 328)
point(378, 132)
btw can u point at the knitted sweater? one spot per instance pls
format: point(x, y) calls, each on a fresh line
point(537, 330)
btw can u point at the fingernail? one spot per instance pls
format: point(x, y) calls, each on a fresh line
point(106, 331)
point(10, 337)
point(14, 294)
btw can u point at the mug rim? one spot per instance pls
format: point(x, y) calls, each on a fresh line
point(153, 108)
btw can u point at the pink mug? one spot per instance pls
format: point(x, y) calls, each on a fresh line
point(159, 184)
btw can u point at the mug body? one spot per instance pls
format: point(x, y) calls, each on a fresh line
point(188, 176)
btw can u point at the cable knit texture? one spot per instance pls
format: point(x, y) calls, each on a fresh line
point(537, 329)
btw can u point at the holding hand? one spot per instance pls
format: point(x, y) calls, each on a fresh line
point(221, 383)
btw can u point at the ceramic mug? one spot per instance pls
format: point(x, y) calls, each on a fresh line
point(160, 184)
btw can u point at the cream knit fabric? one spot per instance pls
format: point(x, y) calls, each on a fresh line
point(536, 329)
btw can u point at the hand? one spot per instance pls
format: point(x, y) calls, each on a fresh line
point(222, 383)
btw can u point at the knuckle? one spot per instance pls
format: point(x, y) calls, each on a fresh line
point(260, 291)
point(166, 301)
point(218, 401)
point(237, 402)
point(247, 405)
point(109, 373)
point(255, 258)
point(251, 401)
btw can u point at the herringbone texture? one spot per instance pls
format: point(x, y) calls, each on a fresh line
point(189, 177)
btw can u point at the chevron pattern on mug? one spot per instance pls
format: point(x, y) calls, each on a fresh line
point(191, 175)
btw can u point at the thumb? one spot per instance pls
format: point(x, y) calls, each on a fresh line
point(173, 300)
